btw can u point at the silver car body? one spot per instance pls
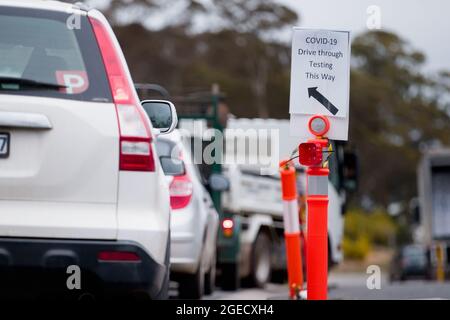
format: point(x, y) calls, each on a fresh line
point(193, 228)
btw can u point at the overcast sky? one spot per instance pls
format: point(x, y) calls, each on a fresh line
point(424, 23)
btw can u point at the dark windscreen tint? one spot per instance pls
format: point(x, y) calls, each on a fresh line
point(42, 55)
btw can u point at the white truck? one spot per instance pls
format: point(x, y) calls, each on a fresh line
point(254, 203)
point(434, 202)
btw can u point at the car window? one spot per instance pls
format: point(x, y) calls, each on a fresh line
point(172, 166)
point(170, 157)
point(41, 55)
point(164, 147)
point(414, 251)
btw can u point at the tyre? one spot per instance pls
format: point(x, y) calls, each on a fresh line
point(164, 293)
point(191, 286)
point(331, 262)
point(229, 278)
point(279, 276)
point(260, 261)
point(210, 277)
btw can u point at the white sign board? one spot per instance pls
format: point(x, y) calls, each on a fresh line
point(320, 80)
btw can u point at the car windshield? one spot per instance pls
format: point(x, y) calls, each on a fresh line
point(41, 54)
point(414, 255)
point(414, 251)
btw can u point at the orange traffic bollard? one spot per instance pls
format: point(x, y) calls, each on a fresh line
point(291, 229)
point(311, 155)
point(317, 235)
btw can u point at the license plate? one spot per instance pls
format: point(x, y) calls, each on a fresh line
point(4, 145)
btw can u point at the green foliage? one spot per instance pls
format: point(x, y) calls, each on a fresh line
point(382, 228)
point(356, 249)
point(247, 16)
point(363, 230)
point(395, 111)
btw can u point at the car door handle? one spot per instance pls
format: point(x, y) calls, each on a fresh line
point(24, 120)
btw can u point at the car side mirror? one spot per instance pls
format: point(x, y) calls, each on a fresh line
point(172, 167)
point(218, 182)
point(162, 114)
point(350, 172)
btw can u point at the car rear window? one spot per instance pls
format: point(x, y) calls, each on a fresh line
point(44, 53)
point(164, 147)
point(168, 149)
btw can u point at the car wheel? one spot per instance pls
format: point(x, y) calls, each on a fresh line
point(279, 276)
point(391, 278)
point(261, 261)
point(164, 293)
point(229, 276)
point(210, 277)
point(191, 286)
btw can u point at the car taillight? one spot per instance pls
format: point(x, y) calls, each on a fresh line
point(118, 256)
point(227, 227)
point(136, 152)
point(181, 190)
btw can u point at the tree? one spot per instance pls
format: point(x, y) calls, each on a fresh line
point(243, 16)
point(145, 11)
point(253, 20)
point(395, 112)
point(256, 17)
point(242, 39)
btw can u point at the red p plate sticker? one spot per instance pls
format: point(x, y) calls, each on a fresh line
point(74, 81)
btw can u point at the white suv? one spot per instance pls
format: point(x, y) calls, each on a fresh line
point(80, 183)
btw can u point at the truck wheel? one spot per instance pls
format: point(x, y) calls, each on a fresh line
point(229, 278)
point(210, 278)
point(279, 276)
point(191, 286)
point(260, 261)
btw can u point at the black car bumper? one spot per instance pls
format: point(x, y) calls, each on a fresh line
point(42, 265)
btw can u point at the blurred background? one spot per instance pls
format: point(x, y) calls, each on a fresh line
point(400, 86)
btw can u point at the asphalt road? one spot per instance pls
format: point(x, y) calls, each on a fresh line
point(353, 287)
point(350, 287)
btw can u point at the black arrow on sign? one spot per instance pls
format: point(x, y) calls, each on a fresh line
point(312, 92)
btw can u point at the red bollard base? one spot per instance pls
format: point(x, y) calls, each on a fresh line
point(294, 263)
point(317, 257)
